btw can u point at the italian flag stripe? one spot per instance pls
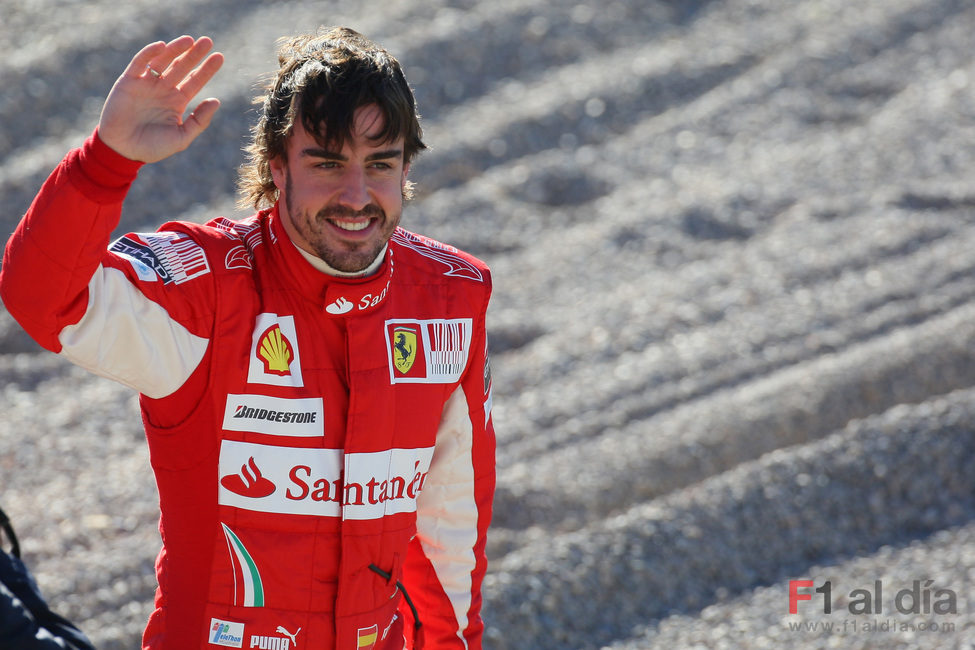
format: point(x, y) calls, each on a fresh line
point(251, 577)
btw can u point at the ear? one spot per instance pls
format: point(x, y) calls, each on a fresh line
point(406, 172)
point(279, 169)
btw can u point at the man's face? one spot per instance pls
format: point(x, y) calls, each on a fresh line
point(342, 206)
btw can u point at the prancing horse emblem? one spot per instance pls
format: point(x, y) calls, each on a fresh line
point(404, 348)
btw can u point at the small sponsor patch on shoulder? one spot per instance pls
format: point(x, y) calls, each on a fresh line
point(173, 257)
point(248, 232)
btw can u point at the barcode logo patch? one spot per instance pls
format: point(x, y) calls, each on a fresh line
point(174, 257)
point(428, 351)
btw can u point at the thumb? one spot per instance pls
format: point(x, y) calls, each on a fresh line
point(201, 117)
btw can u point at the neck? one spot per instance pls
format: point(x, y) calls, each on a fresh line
point(327, 268)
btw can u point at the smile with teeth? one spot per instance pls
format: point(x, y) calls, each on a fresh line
point(352, 225)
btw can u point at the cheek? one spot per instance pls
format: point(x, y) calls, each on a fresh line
point(305, 192)
point(391, 196)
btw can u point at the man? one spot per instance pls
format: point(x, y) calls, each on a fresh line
point(314, 379)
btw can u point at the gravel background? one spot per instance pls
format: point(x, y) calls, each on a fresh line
point(734, 319)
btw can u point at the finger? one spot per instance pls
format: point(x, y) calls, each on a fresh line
point(202, 75)
point(137, 66)
point(188, 60)
point(201, 117)
point(173, 49)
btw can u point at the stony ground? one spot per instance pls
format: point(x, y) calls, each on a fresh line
point(734, 320)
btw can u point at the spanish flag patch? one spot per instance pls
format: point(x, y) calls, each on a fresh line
point(367, 637)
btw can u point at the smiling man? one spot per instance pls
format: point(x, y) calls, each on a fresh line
point(314, 379)
point(342, 206)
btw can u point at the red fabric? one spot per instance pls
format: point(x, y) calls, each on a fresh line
point(64, 236)
point(291, 456)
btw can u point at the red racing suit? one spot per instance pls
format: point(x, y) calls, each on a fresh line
point(318, 443)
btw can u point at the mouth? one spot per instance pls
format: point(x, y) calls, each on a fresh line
point(351, 226)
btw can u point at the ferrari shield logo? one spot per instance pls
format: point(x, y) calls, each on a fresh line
point(433, 351)
point(404, 348)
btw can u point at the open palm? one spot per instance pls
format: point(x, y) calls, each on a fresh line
point(142, 118)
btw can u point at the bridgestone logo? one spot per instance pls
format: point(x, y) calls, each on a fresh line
point(247, 412)
point(274, 415)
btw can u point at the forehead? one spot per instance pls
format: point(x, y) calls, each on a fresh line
point(368, 123)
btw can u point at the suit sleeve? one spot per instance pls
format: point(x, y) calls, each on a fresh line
point(447, 561)
point(104, 309)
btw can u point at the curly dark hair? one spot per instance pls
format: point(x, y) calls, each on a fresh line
point(322, 79)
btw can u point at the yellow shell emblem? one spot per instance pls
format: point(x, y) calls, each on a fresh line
point(275, 351)
point(404, 348)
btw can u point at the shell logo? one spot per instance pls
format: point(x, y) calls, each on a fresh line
point(275, 351)
point(274, 357)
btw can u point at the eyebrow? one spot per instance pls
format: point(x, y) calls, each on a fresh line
point(325, 154)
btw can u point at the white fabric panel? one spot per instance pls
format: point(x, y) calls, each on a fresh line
point(446, 509)
point(126, 337)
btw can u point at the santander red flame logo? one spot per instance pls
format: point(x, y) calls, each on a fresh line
point(249, 482)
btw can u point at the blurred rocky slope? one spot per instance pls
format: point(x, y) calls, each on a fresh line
point(734, 321)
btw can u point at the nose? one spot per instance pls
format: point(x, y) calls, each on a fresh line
point(354, 191)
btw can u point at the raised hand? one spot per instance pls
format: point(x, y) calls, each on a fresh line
point(142, 118)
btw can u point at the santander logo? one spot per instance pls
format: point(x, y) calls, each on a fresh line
point(322, 482)
point(249, 482)
point(340, 306)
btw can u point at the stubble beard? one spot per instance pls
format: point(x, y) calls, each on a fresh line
point(356, 257)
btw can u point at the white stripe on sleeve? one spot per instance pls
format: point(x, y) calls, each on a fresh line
point(446, 510)
point(126, 337)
